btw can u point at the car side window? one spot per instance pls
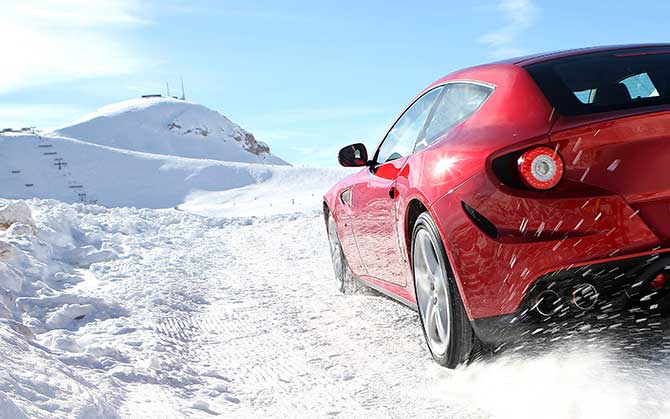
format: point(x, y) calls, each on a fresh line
point(459, 101)
point(400, 140)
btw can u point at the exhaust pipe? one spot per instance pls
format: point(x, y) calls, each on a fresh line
point(548, 303)
point(584, 296)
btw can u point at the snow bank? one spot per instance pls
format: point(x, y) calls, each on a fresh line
point(39, 266)
point(81, 287)
point(34, 299)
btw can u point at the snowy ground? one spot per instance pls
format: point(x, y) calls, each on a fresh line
point(163, 313)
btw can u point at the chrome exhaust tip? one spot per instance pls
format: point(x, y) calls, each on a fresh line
point(548, 303)
point(584, 296)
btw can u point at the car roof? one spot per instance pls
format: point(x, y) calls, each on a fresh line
point(548, 56)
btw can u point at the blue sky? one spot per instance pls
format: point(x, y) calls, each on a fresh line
point(305, 76)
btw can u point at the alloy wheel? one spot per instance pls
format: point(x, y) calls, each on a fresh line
point(432, 293)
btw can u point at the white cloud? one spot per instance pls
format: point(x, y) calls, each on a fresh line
point(520, 15)
point(47, 41)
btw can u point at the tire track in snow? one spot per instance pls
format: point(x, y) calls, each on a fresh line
point(281, 338)
point(245, 321)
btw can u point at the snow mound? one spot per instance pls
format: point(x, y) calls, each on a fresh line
point(163, 125)
point(83, 299)
point(35, 300)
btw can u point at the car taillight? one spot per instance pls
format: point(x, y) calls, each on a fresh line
point(540, 168)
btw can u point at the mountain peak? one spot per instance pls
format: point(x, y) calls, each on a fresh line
point(165, 125)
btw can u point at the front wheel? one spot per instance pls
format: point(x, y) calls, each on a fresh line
point(446, 327)
point(343, 275)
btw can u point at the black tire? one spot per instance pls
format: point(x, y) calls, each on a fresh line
point(460, 340)
point(346, 282)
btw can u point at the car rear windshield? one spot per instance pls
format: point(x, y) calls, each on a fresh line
point(605, 81)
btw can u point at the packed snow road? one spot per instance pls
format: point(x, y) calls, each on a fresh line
point(161, 313)
point(269, 336)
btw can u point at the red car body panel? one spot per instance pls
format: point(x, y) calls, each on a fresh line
point(611, 203)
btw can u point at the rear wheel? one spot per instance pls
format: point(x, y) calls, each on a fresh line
point(445, 324)
point(343, 275)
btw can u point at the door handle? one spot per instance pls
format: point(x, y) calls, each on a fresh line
point(393, 192)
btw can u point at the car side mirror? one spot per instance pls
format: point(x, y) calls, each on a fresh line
point(354, 155)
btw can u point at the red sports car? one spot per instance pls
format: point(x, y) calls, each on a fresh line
point(512, 192)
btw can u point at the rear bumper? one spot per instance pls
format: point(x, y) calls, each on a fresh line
point(537, 234)
point(621, 283)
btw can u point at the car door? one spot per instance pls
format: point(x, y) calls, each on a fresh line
point(374, 198)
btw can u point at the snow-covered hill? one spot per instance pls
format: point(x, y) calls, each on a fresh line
point(163, 125)
point(159, 152)
point(76, 171)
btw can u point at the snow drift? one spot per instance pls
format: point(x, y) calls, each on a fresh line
point(36, 275)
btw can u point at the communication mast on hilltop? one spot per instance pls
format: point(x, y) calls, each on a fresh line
point(167, 91)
